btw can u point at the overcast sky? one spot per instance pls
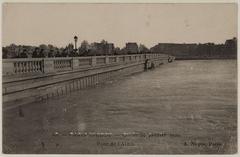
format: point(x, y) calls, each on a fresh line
point(34, 23)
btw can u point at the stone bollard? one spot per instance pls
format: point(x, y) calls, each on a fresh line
point(94, 61)
point(8, 68)
point(75, 63)
point(106, 60)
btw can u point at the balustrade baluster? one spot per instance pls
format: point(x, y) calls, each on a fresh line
point(25, 67)
point(29, 66)
point(15, 67)
point(37, 66)
point(19, 67)
point(34, 66)
point(40, 66)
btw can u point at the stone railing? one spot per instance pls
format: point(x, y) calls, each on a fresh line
point(36, 66)
point(23, 66)
point(62, 64)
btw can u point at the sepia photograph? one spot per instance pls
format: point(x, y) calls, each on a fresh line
point(119, 78)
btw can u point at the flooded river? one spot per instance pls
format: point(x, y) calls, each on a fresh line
point(186, 107)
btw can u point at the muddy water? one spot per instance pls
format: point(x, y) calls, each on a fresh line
point(186, 107)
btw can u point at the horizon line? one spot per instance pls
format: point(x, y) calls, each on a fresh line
point(138, 43)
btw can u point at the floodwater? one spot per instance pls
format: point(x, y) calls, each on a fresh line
point(186, 107)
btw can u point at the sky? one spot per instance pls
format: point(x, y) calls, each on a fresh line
point(149, 24)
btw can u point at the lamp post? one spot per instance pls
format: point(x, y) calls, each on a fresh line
point(75, 40)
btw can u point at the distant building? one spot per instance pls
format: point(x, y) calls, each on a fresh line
point(110, 48)
point(193, 50)
point(131, 48)
point(174, 48)
point(231, 42)
point(102, 48)
point(231, 46)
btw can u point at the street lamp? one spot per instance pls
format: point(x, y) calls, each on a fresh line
point(75, 40)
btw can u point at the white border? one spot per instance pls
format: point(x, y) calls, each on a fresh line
point(115, 1)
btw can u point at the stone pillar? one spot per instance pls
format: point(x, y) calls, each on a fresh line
point(75, 63)
point(137, 58)
point(48, 65)
point(106, 60)
point(8, 68)
point(130, 58)
point(94, 60)
point(117, 59)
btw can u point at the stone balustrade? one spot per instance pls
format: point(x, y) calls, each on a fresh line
point(38, 66)
point(23, 66)
point(27, 80)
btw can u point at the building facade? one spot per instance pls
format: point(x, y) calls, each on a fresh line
point(131, 48)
